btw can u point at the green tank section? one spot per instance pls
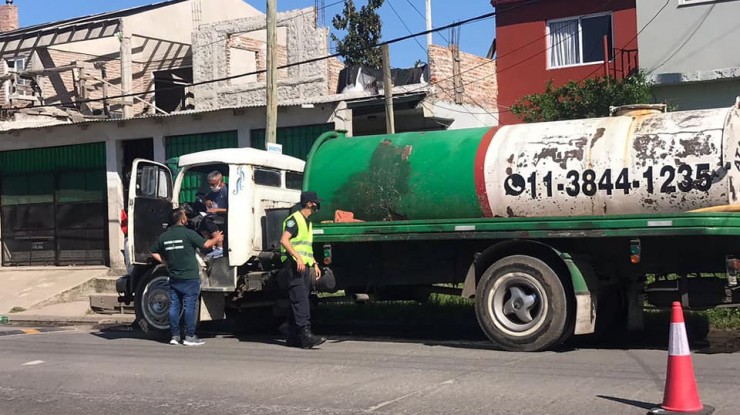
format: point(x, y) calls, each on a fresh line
point(415, 175)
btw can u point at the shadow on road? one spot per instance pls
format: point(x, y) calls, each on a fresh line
point(459, 330)
point(636, 404)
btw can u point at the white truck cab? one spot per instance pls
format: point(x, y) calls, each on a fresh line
point(262, 189)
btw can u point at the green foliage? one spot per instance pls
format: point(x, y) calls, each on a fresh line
point(724, 318)
point(587, 99)
point(363, 30)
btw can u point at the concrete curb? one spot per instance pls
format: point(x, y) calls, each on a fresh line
point(91, 319)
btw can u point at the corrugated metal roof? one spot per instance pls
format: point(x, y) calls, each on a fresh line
point(85, 19)
point(325, 99)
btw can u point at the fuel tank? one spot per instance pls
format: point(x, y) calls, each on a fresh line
point(642, 161)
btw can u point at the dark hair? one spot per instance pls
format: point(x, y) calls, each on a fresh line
point(175, 216)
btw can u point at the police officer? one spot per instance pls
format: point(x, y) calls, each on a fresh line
point(296, 249)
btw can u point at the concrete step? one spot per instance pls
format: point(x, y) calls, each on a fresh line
point(106, 303)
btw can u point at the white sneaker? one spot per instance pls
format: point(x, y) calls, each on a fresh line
point(193, 341)
point(175, 341)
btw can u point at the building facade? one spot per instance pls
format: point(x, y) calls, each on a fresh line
point(690, 50)
point(560, 41)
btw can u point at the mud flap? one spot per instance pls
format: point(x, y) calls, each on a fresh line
point(470, 284)
point(212, 306)
point(581, 274)
point(585, 313)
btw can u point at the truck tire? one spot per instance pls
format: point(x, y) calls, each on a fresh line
point(521, 304)
point(152, 304)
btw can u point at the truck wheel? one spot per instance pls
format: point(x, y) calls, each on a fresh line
point(152, 305)
point(521, 304)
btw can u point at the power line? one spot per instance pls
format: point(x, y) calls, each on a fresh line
point(424, 17)
point(432, 62)
point(290, 65)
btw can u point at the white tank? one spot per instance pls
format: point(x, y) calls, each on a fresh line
point(644, 161)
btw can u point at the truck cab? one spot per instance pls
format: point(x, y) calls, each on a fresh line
point(262, 186)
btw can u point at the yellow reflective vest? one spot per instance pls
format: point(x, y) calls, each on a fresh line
point(303, 242)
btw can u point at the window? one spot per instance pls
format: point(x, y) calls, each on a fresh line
point(294, 180)
point(17, 64)
point(267, 177)
point(579, 40)
point(152, 182)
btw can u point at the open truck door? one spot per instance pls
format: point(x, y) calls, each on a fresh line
point(149, 204)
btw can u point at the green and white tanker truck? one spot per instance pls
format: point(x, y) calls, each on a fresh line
point(554, 228)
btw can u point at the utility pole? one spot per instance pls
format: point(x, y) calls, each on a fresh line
point(390, 127)
point(429, 23)
point(127, 76)
point(271, 88)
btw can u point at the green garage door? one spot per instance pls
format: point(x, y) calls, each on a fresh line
point(176, 146)
point(296, 141)
point(53, 206)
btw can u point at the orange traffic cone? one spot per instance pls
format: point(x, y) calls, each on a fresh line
point(681, 395)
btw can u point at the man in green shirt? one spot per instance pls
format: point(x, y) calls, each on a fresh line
point(176, 249)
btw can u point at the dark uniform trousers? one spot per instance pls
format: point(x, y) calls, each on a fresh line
point(299, 284)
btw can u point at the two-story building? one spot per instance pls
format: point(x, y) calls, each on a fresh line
point(690, 50)
point(560, 41)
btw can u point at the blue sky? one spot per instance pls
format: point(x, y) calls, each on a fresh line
point(474, 38)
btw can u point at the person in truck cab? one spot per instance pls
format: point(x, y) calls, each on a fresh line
point(296, 254)
point(217, 200)
point(176, 249)
point(217, 203)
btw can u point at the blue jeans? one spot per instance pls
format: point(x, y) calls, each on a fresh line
point(187, 292)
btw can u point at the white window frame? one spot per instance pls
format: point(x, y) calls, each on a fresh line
point(580, 38)
point(15, 60)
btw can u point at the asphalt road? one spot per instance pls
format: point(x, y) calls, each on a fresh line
point(88, 371)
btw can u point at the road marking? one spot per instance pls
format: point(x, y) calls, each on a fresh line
point(33, 363)
point(20, 332)
point(419, 392)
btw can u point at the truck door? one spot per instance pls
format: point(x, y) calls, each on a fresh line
point(149, 204)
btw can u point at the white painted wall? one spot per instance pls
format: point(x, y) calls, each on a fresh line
point(691, 51)
point(689, 38)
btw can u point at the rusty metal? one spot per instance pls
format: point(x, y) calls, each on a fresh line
point(641, 161)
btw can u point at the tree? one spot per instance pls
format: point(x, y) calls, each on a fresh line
point(363, 27)
point(587, 99)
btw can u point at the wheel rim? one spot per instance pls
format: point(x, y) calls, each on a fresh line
point(156, 303)
point(517, 304)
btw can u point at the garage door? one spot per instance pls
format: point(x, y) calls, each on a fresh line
point(53, 206)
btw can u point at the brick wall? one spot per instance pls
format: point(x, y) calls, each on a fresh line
point(60, 87)
point(478, 77)
point(243, 41)
point(334, 67)
point(8, 18)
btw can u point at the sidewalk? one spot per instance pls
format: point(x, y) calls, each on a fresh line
point(76, 312)
point(53, 294)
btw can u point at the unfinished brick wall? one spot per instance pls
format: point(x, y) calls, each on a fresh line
point(478, 77)
point(334, 67)
point(8, 18)
point(61, 87)
point(244, 42)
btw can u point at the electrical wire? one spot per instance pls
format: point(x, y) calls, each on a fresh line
point(431, 61)
point(478, 18)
